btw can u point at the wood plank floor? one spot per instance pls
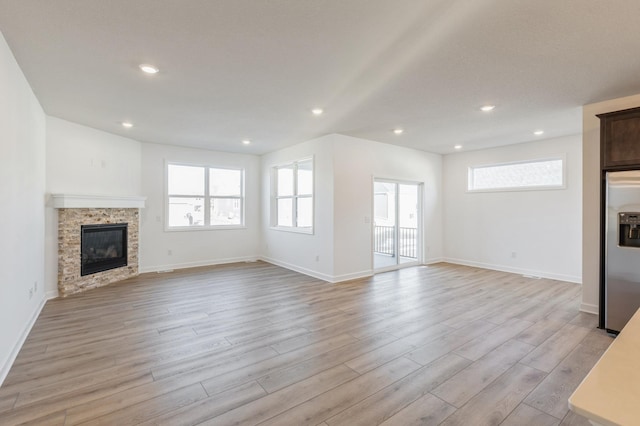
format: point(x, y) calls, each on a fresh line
point(252, 343)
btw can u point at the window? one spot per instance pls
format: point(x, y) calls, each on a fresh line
point(293, 195)
point(201, 197)
point(535, 174)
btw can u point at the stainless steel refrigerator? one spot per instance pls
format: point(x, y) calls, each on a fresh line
point(622, 248)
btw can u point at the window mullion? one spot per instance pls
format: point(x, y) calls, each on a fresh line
point(242, 195)
point(294, 198)
point(207, 198)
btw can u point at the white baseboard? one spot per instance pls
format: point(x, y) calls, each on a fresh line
point(589, 308)
point(51, 294)
point(333, 279)
point(8, 363)
point(296, 268)
point(185, 265)
point(434, 260)
point(351, 276)
point(521, 271)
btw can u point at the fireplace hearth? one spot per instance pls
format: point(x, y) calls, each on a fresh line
point(103, 247)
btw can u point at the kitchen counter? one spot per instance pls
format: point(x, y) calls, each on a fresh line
point(610, 394)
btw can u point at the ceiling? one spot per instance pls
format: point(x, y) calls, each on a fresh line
point(253, 69)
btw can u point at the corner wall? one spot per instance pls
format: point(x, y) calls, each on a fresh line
point(22, 191)
point(356, 163)
point(310, 254)
point(84, 161)
point(341, 246)
point(543, 228)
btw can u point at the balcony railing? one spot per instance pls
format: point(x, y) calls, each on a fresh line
point(384, 241)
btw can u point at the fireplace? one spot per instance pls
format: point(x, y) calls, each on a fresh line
point(103, 247)
point(77, 211)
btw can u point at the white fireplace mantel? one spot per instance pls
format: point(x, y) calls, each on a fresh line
point(75, 201)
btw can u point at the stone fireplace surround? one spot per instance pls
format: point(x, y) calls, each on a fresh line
point(77, 210)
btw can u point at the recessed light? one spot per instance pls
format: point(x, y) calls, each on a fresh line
point(457, 147)
point(149, 69)
point(487, 108)
point(246, 142)
point(127, 124)
point(538, 132)
point(398, 131)
point(317, 111)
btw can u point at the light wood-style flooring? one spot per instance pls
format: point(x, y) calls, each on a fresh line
point(252, 343)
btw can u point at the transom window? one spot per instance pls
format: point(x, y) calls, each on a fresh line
point(293, 195)
point(534, 174)
point(204, 197)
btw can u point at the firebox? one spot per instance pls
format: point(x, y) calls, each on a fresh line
point(103, 247)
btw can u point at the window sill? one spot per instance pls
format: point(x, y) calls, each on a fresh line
point(203, 228)
point(308, 231)
point(519, 189)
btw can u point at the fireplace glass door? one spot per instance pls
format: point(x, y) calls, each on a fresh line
point(103, 247)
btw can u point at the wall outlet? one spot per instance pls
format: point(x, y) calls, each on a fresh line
point(35, 286)
point(317, 258)
point(170, 252)
point(514, 254)
point(30, 293)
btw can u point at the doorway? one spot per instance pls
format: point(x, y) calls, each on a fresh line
point(396, 224)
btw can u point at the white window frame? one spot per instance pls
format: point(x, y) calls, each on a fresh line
point(563, 185)
point(207, 198)
point(294, 197)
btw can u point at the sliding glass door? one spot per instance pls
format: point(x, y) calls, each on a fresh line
point(396, 230)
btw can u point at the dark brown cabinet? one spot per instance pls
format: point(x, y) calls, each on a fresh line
point(620, 139)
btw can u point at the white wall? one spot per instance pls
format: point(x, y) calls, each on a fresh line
point(591, 199)
point(356, 163)
point(22, 191)
point(82, 160)
point(543, 228)
point(295, 250)
point(344, 170)
point(200, 247)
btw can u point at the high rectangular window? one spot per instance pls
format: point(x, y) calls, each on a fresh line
point(204, 197)
point(293, 195)
point(534, 174)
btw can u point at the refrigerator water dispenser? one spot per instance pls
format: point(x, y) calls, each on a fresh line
point(629, 229)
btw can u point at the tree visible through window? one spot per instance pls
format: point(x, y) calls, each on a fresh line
point(294, 195)
point(200, 196)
